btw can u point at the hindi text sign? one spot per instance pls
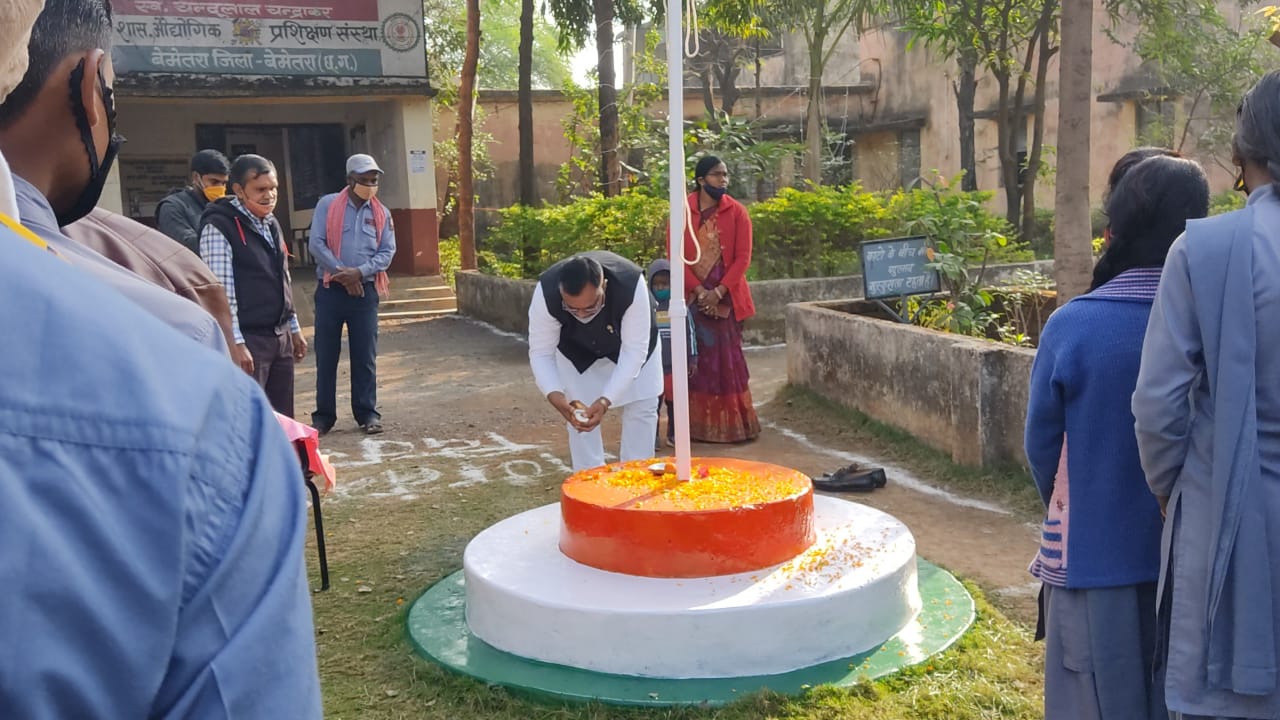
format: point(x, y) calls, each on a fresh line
point(308, 38)
point(897, 267)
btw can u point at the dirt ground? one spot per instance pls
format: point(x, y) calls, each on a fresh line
point(461, 410)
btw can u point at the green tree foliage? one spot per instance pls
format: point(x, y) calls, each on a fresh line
point(499, 59)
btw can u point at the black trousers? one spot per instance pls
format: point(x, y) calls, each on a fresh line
point(272, 353)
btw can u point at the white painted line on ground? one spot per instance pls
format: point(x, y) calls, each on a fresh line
point(490, 328)
point(1031, 589)
point(757, 348)
point(897, 475)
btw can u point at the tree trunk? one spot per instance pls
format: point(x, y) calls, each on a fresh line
point(466, 128)
point(813, 114)
point(610, 167)
point(1044, 54)
point(1006, 148)
point(708, 97)
point(529, 244)
point(1072, 244)
point(966, 94)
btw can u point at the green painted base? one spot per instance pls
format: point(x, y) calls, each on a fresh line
point(438, 629)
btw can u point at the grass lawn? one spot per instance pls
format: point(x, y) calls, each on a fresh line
point(385, 552)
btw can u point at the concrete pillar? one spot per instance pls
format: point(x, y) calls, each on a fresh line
point(413, 200)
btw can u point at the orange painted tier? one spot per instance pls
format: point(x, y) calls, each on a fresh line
point(732, 516)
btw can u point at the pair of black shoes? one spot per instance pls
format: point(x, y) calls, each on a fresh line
point(852, 478)
point(370, 428)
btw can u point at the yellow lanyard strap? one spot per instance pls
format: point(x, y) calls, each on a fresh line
point(26, 234)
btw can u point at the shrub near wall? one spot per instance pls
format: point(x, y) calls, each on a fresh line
point(796, 234)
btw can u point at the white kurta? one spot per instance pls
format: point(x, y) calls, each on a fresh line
point(636, 377)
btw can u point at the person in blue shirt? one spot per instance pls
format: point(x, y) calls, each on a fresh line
point(353, 240)
point(1100, 545)
point(58, 130)
point(153, 517)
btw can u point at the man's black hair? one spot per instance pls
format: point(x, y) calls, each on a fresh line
point(64, 28)
point(247, 168)
point(210, 162)
point(578, 272)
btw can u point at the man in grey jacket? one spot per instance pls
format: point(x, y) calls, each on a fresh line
point(178, 215)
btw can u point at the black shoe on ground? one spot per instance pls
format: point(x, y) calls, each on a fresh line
point(372, 428)
point(323, 429)
point(853, 478)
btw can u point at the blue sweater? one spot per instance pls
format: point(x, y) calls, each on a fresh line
point(1082, 381)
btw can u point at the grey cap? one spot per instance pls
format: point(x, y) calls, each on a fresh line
point(361, 163)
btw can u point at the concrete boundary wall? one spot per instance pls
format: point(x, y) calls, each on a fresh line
point(963, 396)
point(504, 303)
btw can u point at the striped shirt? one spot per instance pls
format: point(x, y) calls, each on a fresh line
point(215, 248)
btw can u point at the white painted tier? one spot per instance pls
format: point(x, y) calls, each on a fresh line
point(855, 588)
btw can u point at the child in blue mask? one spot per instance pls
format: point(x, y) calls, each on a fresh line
point(659, 277)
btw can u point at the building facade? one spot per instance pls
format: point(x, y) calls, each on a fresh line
point(303, 83)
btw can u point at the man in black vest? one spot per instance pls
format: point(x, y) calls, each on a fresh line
point(592, 338)
point(242, 243)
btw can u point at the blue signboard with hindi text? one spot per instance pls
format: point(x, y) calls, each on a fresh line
point(898, 267)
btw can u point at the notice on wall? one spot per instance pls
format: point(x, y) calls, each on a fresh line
point(333, 38)
point(418, 162)
point(898, 267)
point(146, 181)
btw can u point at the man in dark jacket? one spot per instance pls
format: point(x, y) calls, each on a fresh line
point(178, 215)
point(240, 241)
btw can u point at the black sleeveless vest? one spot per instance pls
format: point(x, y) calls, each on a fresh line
point(584, 343)
point(264, 297)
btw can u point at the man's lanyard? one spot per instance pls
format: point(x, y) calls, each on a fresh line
point(24, 233)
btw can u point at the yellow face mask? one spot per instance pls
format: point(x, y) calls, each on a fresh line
point(213, 192)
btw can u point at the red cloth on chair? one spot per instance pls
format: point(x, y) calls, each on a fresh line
point(307, 440)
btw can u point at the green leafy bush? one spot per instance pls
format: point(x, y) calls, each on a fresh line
point(798, 233)
point(1225, 202)
point(632, 225)
point(489, 262)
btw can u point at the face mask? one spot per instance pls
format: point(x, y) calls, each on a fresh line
point(715, 192)
point(260, 210)
point(662, 295)
point(214, 192)
point(365, 192)
point(98, 170)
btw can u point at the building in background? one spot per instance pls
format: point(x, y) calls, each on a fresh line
point(303, 83)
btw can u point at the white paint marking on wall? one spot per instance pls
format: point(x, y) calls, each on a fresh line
point(897, 475)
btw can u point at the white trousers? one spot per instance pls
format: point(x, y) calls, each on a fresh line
point(639, 428)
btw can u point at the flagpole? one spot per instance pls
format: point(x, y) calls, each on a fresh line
point(679, 311)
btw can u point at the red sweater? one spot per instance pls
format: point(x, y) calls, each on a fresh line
point(735, 248)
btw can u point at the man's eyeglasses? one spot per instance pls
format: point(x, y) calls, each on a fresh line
point(587, 311)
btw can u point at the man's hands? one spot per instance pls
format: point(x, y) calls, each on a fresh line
point(240, 354)
point(351, 280)
point(299, 346)
point(595, 413)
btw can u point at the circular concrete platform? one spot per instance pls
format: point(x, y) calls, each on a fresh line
point(851, 589)
point(438, 629)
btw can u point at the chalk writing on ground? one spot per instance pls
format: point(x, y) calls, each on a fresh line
point(432, 462)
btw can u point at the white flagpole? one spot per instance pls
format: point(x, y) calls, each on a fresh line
point(679, 311)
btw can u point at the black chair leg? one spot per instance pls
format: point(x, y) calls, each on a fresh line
point(315, 509)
